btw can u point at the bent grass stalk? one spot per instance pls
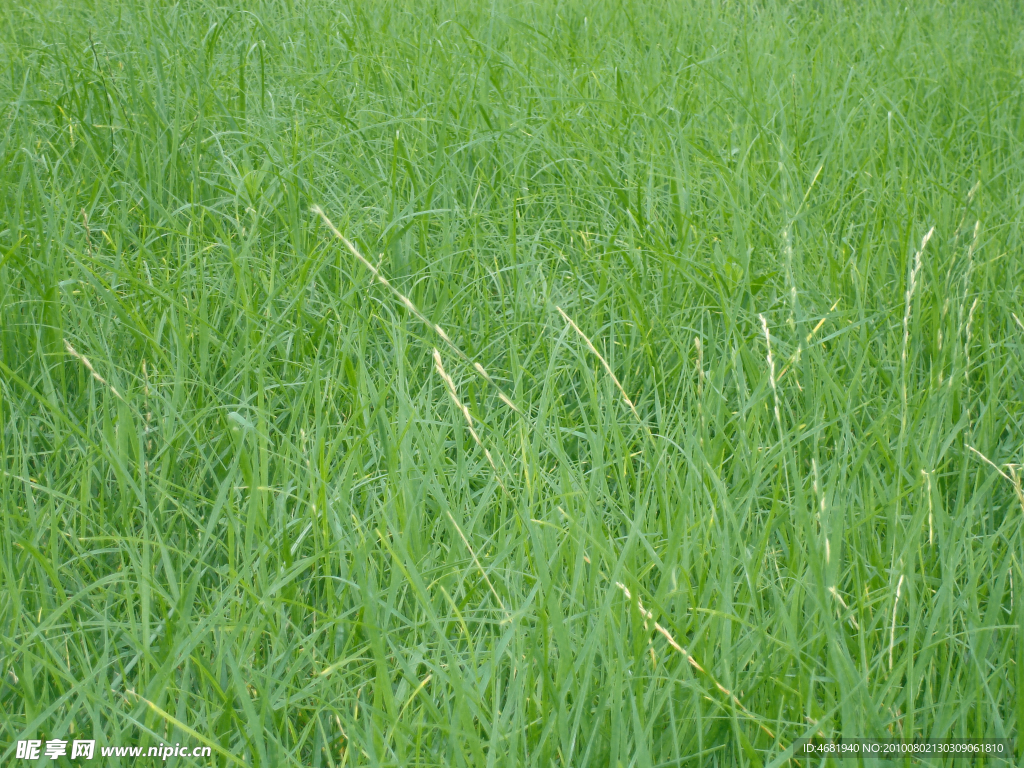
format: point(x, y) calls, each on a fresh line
point(607, 368)
point(408, 304)
point(733, 699)
point(85, 361)
point(453, 393)
point(450, 385)
point(647, 614)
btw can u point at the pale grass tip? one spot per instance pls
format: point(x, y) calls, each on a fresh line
point(85, 361)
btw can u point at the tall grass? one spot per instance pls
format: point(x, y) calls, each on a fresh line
point(244, 503)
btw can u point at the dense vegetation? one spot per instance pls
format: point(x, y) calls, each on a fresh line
point(750, 274)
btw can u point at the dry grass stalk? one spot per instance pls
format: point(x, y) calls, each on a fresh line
point(649, 616)
point(908, 302)
point(789, 277)
point(476, 562)
point(909, 296)
point(991, 463)
point(931, 507)
point(892, 627)
point(607, 368)
point(85, 361)
point(771, 372)
point(450, 385)
point(967, 342)
point(453, 393)
point(820, 323)
point(960, 313)
point(970, 198)
point(852, 619)
point(408, 304)
point(1013, 477)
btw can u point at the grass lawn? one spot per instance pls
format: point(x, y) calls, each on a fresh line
point(510, 383)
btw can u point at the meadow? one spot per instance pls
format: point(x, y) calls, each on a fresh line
point(510, 383)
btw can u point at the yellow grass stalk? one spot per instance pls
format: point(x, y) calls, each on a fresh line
point(453, 393)
point(607, 368)
point(408, 304)
point(85, 361)
point(649, 616)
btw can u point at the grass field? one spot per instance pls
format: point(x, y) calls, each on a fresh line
point(749, 275)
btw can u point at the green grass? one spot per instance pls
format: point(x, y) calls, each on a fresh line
point(261, 515)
